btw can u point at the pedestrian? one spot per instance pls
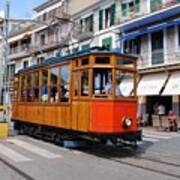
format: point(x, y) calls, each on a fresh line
point(161, 113)
point(172, 121)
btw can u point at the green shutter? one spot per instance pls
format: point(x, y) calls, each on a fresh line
point(137, 5)
point(113, 15)
point(85, 46)
point(100, 19)
point(155, 5)
point(81, 25)
point(124, 9)
point(107, 42)
point(91, 28)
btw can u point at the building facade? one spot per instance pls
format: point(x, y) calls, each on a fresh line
point(146, 28)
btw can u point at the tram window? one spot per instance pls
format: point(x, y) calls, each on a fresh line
point(23, 88)
point(125, 62)
point(54, 83)
point(44, 88)
point(102, 81)
point(29, 90)
point(102, 60)
point(84, 62)
point(36, 86)
point(76, 63)
point(85, 83)
point(124, 84)
point(76, 84)
point(64, 84)
point(15, 89)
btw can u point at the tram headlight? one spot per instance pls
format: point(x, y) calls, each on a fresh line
point(127, 122)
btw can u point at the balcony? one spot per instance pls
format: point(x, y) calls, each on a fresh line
point(82, 33)
point(166, 4)
point(158, 57)
point(132, 13)
point(169, 59)
point(19, 52)
point(51, 45)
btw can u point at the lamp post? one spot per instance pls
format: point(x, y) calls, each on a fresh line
point(6, 95)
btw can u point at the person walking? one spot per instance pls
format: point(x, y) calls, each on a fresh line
point(172, 121)
point(161, 113)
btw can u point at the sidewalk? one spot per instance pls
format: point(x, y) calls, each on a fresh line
point(156, 129)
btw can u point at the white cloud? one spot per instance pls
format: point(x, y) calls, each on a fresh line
point(1, 14)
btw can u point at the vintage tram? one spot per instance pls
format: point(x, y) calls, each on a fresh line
point(89, 94)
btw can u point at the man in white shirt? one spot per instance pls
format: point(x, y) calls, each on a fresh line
point(161, 112)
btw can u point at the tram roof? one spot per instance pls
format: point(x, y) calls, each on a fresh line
point(58, 59)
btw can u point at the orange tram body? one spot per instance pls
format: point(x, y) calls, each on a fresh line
point(90, 95)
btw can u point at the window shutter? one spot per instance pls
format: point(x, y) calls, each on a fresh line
point(100, 19)
point(81, 25)
point(155, 5)
point(137, 5)
point(85, 46)
point(124, 9)
point(113, 14)
point(91, 23)
point(107, 42)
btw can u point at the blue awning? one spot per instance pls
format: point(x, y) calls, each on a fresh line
point(157, 16)
point(150, 29)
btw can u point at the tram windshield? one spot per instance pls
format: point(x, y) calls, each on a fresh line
point(102, 81)
point(124, 86)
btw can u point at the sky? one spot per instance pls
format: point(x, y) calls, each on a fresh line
point(21, 8)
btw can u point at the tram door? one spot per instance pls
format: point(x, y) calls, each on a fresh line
point(81, 101)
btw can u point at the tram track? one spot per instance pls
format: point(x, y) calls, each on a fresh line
point(139, 160)
point(17, 170)
point(150, 169)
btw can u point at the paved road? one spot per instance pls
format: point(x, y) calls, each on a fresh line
point(158, 157)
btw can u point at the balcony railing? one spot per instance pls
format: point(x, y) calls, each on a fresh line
point(170, 58)
point(47, 46)
point(82, 33)
point(19, 51)
point(136, 12)
point(157, 56)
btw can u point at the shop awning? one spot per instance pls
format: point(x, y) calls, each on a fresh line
point(150, 29)
point(151, 84)
point(173, 85)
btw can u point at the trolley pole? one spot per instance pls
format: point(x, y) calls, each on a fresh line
point(6, 95)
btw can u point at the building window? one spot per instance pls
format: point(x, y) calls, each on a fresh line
point(44, 17)
point(132, 46)
point(40, 60)
point(156, 5)
point(107, 43)
point(89, 24)
point(157, 47)
point(101, 19)
point(25, 64)
point(42, 39)
point(85, 46)
point(132, 6)
point(14, 48)
point(25, 44)
point(110, 16)
point(11, 70)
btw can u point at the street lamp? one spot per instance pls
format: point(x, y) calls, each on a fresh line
point(6, 97)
